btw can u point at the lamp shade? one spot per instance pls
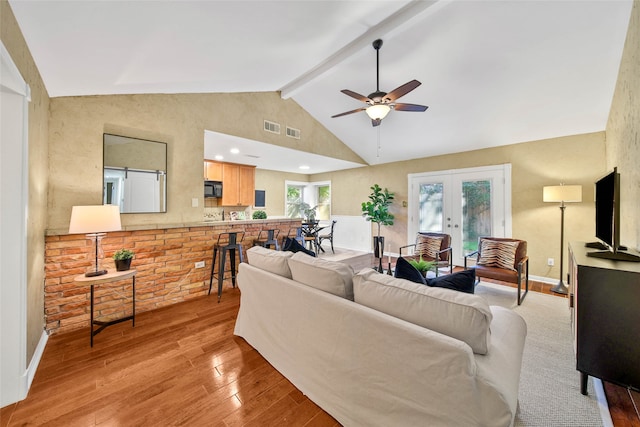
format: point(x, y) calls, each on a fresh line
point(562, 193)
point(94, 219)
point(378, 111)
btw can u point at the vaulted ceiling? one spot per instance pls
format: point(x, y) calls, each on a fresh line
point(492, 72)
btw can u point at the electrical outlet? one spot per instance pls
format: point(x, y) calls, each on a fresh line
point(550, 262)
point(200, 264)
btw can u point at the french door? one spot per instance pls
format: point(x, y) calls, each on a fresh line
point(464, 203)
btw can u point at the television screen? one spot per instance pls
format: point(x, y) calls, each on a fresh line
point(606, 205)
point(608, 219)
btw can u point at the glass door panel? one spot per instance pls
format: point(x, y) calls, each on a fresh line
point(476, 213)
point(464, 203)
point(431, 207)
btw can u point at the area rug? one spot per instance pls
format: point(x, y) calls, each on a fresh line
point(549, 383)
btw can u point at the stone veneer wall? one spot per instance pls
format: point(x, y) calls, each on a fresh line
point(165, 263)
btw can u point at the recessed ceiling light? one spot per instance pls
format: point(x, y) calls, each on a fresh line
point(219, 157)
point(234, 151)
point(304, 167)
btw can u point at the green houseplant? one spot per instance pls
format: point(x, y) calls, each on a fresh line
point(123, 259)
point(376, 209)
point(259, 215)
point(421, 265)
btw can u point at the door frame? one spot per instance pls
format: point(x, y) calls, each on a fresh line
point(14, 197)
point(503, 169)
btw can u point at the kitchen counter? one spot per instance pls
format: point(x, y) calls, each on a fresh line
point(138, 227)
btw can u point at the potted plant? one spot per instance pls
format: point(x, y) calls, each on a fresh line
point(422, 266)
point(310, 213)
point(123, 259)
point(376, 209)
point(259, 215)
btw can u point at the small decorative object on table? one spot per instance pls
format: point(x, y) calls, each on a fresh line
point(123, 259)
point(259, 215)
point(422, 266)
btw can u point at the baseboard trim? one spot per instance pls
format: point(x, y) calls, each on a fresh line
point(35, 360)
point(603, 405)
point(548, 280)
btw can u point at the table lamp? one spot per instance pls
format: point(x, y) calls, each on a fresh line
point(562, 194)
point(95, 221)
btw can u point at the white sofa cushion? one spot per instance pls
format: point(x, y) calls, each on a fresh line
point(275, 262)
point(329, 276)
point(459, 315)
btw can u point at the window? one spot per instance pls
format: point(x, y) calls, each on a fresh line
point(307, 195)
point(294, 201)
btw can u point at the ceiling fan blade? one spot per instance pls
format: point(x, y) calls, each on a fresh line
point(376, 122)
point(356, 96)
point(349, 112)
point(402, 90)
point(410, 107)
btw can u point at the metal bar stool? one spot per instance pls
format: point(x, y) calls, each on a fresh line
point(270, 240)
point(227, 242)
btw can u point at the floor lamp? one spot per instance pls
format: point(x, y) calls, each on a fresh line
point(562, 194)
point(95, 221)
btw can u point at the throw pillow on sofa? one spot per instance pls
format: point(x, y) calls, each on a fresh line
point(292, 245)
point(456, 314)
point(329, 276)
point(404, 270)
point(462, 281)
point(275, 262)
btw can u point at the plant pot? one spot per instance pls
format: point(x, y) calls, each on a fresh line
point(378, 246)
point(378, 251)
point(123, 264)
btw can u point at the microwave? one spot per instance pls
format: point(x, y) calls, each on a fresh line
point(212, 189)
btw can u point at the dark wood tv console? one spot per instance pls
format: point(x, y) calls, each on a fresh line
point(604, 297)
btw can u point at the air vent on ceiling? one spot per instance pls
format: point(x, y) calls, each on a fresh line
point(293, 133)
point(272, 127)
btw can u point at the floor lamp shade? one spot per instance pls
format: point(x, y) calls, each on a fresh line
point(562, 194)
point(95, 221)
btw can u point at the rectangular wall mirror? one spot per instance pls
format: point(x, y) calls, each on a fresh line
point(135, 174)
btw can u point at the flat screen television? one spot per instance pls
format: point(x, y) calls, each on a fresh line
point(607, 198)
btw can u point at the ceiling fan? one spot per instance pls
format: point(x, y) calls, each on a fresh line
point(380, 103)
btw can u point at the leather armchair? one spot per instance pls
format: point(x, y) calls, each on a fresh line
point(517, 274)
point(442, 257)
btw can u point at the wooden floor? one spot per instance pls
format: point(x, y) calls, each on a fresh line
point(182, 365)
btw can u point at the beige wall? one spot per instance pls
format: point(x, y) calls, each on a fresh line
point(273, 183)
point(575, 159)
point(623, 133)
point(38, 173)
point(78, 123)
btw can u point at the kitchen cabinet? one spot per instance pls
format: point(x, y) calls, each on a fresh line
point(605, 317)
point(212, 170)
point(238, 184)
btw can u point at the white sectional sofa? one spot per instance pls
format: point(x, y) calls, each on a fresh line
point(371, 349)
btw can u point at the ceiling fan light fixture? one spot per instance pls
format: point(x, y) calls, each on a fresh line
point(378, 111)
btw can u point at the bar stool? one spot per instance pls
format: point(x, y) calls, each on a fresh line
point(271, 239)
point(227, 242)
